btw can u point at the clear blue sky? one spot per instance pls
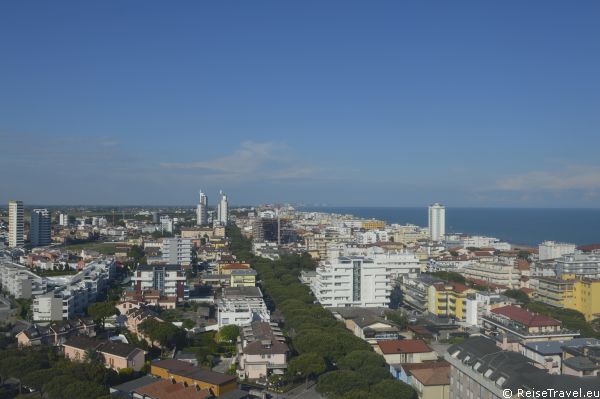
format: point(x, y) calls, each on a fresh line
point(340, 102)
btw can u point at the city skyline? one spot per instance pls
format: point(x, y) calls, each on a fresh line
point(338, 103)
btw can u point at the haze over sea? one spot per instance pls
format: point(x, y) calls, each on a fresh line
point(526, 226)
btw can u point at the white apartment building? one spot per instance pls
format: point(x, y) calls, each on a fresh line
point(19, 282)
point(553, 250)
point(202, 210)
point(371, 237)
point(40, 228)
point(166, 224)
point(241, 306)
point(222, 209)
point(479, 304)
point(168, 279)
point(176, 250)
point(437, 222)
point(580, 264)
point(494, 273)
point(359, 280)
point(63, 219)
point(76, 294)
point(16, 224)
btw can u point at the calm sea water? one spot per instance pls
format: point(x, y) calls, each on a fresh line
point(515, 225)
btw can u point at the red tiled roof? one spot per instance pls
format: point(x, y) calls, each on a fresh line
point(439, 375)
point(403, 346)
point(236, 266)
point(525, 317)
point(165, 389)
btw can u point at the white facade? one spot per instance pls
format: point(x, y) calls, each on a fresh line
point(493, 273)
point(554, 250)
point(40, 228)
point(16, 224)
point(241, 306)
point(176, 250)
point(202, 210)
point(19, 282)
point(360, 280)
point(579, 264)
point(63, 219)
point(166, 224)
point(437, 222)
point(222, 209)
point(168, 279)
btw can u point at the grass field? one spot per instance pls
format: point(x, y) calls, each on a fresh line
point(103, 248)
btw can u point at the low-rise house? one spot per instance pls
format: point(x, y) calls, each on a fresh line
point(525, 325)
point(549, 354)
point(114, 355)
point(405, 351)
point(55, 333)
point(367, 323)
point(262, 351)
point(183, 372)
point(432, 382)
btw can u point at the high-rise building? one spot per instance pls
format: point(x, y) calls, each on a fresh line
point(39, 230)
point(202, 210)
point(553, 250)
point(16, 224)
point(177, 250)
point(63, 219)
point(222, 209)
point(437, 222)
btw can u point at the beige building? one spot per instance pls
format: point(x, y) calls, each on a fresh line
point(405, 351)
point(262, 351)
point(114, 355)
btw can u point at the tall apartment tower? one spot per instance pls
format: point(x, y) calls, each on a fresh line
point(39, 230)
point(16, 224)
point(202, 210)
point(437, 222)
point(63, 219)
point(222, 209)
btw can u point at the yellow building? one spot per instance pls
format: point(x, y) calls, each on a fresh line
point(373, 224)
point(448, 299)
point(242, 278)
point(570, 292)
point(183, 372)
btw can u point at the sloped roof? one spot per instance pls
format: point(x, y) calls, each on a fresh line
point(403, 346)
point(526, 317)
point(165, 389)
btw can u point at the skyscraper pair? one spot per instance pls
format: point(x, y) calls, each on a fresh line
point(202, 210)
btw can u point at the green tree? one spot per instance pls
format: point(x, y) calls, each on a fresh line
point(392, 389)
point(100, 311)
point(357, 360)
point(307, 366)
point(519, 295)
point(336, 383)
point(228, 333)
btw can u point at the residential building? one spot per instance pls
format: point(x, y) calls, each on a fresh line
point(166, 389)
point(40, 228)
point(182, 372)
point(405, 351)
point(502, 274)
point(431, 379)
point(202, 210)
point(114, 355)
point(169, 280)
point(20, 282)
point(437, 222)
point(549, 354)
point(55, 333)
point(368, 324)
point(570, 292)
point(242, 278)
point(479, 304)
point(222, 209)
point(241, 306)
point(16, 224)
point(262, 351)
point(176, 250)
point(415, 291)
point(480, 369)
point(579, 264)
point(553, 250)
point(448, 299)
point(166, 224)
point(526, 326)
point(364, 280)
point(63, 219)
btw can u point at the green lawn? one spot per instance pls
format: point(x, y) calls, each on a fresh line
point(103, 248)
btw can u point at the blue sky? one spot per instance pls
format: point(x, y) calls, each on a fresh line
point(332, 102)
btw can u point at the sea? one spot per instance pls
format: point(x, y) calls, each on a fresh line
point(519, 226)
